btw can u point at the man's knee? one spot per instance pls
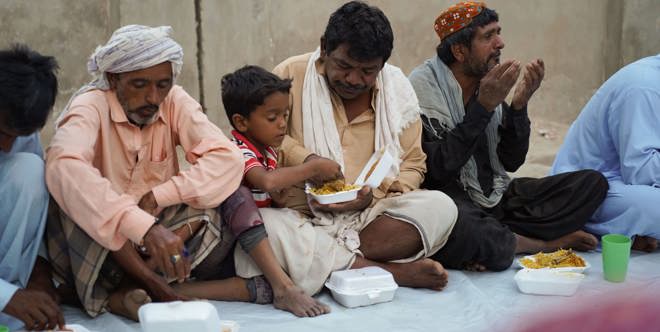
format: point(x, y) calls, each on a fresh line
point(595, 181)
point(23, 173)
point(440, 202)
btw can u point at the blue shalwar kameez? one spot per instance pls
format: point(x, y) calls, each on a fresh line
point(23, 210)
point(618, 134)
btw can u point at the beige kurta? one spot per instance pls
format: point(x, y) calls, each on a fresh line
point(311, 247)
point(357, 140)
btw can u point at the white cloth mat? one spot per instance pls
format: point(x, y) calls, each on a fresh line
point(472, 301)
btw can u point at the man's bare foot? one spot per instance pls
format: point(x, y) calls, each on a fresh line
point(474, 267)
point(645, 243)
point(423, 273)
point(127, 302)
point(133, 300)
point(578, 240)
point(295, 301)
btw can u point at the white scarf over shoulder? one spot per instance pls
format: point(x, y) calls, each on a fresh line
point(396, 108)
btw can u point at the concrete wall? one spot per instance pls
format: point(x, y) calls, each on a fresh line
point(582, 42)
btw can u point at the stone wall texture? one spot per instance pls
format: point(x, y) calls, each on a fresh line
point(582, 42)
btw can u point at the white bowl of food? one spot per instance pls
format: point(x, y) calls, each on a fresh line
point(362, 287)
point(333, 192)
point(548, 282)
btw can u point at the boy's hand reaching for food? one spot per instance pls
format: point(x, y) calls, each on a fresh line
point(324, 170)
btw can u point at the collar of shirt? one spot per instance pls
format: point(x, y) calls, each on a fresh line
point(117, 113)
point(269, 150)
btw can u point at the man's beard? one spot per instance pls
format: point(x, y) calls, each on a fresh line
point(135, 118)
point(141, 121)
point(480, 69)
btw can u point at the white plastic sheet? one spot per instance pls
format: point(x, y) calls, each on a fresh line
point(472, 301)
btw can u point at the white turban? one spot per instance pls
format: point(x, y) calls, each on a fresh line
point(130, 48)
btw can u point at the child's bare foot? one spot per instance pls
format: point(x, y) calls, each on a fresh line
point(578, 240)
point(294, 300)
point(645, 243)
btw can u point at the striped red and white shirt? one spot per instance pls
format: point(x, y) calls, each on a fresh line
point(253, 158)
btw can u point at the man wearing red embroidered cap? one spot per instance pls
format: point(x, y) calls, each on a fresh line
point(472, 138)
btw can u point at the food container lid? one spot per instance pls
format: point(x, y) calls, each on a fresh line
point(377, 168)
point(359, 281)
point(177, 311)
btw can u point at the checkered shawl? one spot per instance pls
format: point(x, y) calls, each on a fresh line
point(80, 261)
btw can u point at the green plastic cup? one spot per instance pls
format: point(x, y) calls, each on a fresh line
point(616, 253)
point(4, 328)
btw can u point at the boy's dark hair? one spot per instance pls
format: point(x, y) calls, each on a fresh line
point(465, 35)
point(365, 28)
point(247, 88)
point(28, 88)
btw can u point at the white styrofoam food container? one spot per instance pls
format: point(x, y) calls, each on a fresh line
point(548, 281)
point(361, 287)
point(384, 161)
point(342, 196)
point(74, 328)
point(376, 168)
point(179, 316)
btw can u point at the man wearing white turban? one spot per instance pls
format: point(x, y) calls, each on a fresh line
point(129, 221)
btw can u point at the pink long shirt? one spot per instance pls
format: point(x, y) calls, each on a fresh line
point(99, 165)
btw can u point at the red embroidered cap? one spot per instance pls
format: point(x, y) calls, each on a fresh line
point(457, 17)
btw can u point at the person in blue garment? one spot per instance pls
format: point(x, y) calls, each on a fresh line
point(617, 134)
point(28, 87)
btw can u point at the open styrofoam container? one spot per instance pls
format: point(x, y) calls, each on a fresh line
point(372, 174)
point(361, 287)
point(180, 316)
point(548, 281)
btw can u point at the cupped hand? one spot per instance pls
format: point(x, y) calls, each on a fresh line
point(497, 83)
point(531, 81)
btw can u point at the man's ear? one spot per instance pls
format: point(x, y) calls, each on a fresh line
point(112, 79)
point(459, 51)
point(240, 122)
point(322, 46)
